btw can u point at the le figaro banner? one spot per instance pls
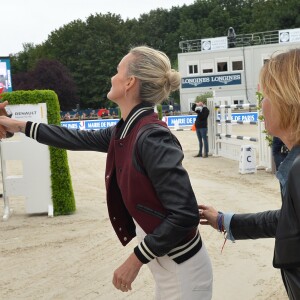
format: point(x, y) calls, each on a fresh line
point(213, 80)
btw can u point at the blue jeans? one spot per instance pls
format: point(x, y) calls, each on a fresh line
point(202, 138)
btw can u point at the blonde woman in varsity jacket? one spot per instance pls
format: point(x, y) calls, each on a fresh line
point(149, 194)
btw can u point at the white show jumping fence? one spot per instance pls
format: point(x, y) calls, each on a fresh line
point(238, 122)
point(221, 140)
point(31, 178)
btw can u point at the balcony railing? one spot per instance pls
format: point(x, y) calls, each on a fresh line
point(241, 40)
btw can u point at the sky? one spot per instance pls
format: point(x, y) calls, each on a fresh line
point(31, 21)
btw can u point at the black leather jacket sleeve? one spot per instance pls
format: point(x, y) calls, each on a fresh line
point(161, 157)
point(255, 225)
point(71, 139)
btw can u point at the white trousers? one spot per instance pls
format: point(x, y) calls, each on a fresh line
point(190, 280)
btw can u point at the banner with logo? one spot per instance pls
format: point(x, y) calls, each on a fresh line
point(289, 36)
point(89, 124)
point(185, 121)
point(29, 112)
point(219, 43)
point(171, 121)
point(212, 80)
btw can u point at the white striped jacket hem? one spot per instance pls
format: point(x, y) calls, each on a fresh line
point(178, 254)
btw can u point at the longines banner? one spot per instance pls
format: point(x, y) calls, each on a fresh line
point(214, 80)
point(5, 75)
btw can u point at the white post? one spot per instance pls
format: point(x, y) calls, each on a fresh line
point(211, 127)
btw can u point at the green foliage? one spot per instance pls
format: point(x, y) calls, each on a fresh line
point(203, 97)
point(49, 75)
point(27, 59)
point(92, 49)
point(260, 97)
point(159, 111)
point(62, 190)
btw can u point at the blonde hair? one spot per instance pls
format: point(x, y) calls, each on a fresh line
point(280, 82)
point(153, 69)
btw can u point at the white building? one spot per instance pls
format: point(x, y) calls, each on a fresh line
point(229, 67)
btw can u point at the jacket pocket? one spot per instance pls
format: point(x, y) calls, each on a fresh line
point(150, 211)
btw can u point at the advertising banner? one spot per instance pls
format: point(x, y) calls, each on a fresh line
point(219, 43)
point(5, 75)
point(180, 121)
point(289, 36)
point(212, 80)
point(90, 124)
point(185, 121)
point(29, 112)
point(171, 121)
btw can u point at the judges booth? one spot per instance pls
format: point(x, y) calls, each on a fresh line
point(25, 165)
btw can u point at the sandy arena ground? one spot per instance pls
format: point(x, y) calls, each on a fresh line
point(73, 257)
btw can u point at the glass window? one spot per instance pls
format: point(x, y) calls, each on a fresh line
point(222, 66)
point(207, 67)
point(204, 71)
point(193, 69)
point(237, 65)
point(237, 102)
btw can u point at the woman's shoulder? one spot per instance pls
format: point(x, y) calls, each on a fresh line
point(297, 161)
point(295, 169)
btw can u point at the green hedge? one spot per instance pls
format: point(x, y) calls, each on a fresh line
point(159, 111)
point(62, 191)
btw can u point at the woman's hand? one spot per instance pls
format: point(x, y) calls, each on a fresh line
point(126, 273)
point(2, 113)
point(3, 104)
point(7, 124)
point(10, 125)
point(208, 216)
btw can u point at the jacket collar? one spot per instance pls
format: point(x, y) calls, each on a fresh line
point(138, 112)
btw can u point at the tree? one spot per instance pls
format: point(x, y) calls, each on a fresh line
point(92, 49)
point(49, 75)
point(203, 98)
point(26, 59)
point(288, 14)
